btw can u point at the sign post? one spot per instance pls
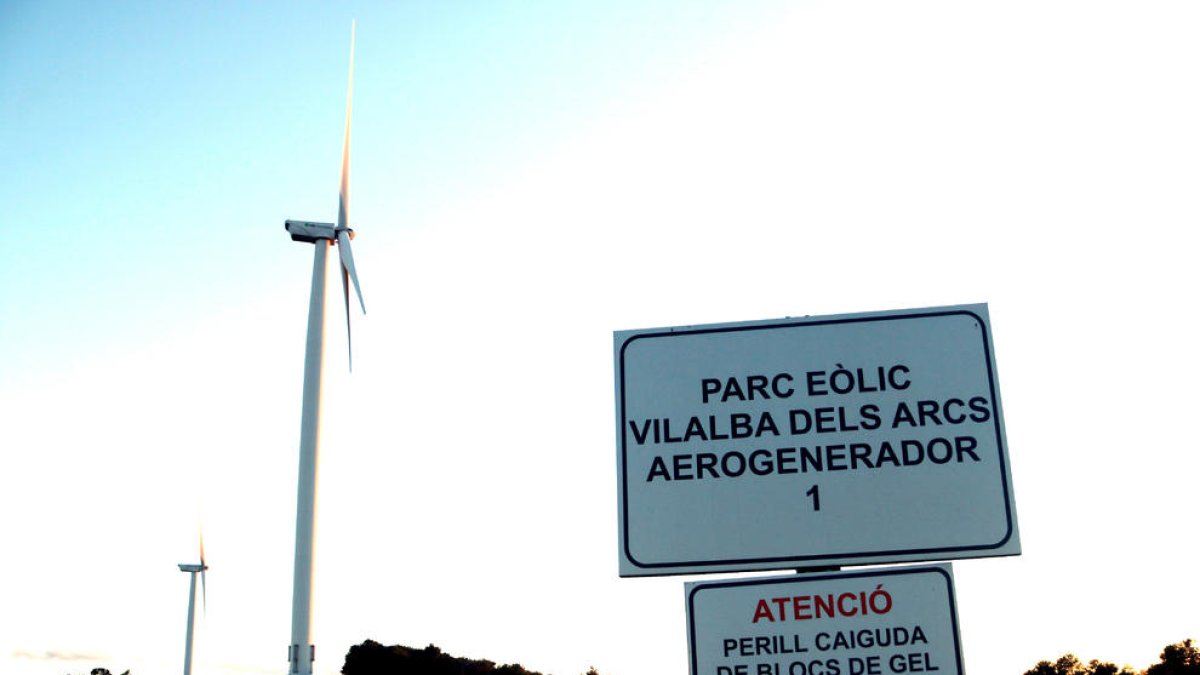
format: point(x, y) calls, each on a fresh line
point(879, 622)
point(836, 440)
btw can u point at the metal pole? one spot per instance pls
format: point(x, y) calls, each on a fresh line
point(300, 653)
point(187, 649)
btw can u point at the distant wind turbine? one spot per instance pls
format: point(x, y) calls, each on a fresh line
point(191, 619)
point(302, 651)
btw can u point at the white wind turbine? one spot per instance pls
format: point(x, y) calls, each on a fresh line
point(193, 569)
point(301, 650)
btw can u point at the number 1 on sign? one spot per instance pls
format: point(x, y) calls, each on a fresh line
point(816, 497)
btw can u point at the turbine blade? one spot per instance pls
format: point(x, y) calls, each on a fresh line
point(344, 233)
point(347, 256)
point(346, 304)
point(344, 187)
point(203, 582)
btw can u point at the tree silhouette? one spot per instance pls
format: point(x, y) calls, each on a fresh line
point(372, 658)
point(1182, 658)
point(1106, 668)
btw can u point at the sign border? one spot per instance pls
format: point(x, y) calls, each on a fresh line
point(943, 569)
point(778, 562)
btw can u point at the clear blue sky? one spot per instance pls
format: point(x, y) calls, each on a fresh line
point(528, 178)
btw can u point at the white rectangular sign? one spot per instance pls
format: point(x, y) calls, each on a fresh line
point(891, 622)
point(835, 440)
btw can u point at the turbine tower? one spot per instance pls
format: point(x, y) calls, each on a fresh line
point(301, 650)
point(191, 617)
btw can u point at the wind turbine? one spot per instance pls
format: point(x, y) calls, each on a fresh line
point(191, 621)
point(301, 650)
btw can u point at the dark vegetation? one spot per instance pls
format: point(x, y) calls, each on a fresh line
point(372, 658)
point(1181, 658)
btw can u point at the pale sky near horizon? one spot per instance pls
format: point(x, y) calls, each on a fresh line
point(528, 178)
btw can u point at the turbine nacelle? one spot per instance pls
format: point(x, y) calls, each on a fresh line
point(192, 568)
point(310, 232)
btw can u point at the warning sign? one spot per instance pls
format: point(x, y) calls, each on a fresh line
point(889, 622)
